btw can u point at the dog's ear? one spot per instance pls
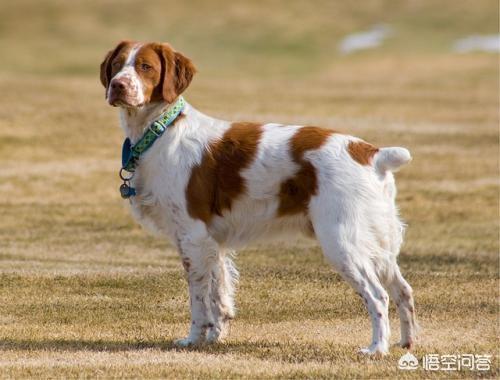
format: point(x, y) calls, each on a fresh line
point(106, 64)
point(177, 71)
point(184, 72)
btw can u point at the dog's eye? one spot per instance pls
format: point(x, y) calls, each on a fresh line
point(145, 67)
point(116, 64)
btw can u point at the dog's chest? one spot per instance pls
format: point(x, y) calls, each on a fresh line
point(159, 205)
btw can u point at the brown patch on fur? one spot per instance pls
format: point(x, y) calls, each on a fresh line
point(362, 152)
point(150, 69)
point(296, 191)
point(216, 182)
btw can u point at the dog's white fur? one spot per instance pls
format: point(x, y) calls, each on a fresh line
point(354, 215)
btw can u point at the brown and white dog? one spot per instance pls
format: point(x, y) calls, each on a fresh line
point(211, 185)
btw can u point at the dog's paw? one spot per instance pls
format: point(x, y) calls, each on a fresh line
point(377, 349)
point(407, 343)
point(218, 332)
point(185, 342)
point(213, 336)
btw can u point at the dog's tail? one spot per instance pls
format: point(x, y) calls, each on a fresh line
point(390, 159)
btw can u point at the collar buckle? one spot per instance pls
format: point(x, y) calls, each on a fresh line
point(161, 128)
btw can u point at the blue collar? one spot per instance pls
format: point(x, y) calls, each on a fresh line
point(132, 153)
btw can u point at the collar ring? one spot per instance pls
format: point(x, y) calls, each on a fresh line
point(124, 177)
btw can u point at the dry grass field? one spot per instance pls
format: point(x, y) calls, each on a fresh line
point(85, 292)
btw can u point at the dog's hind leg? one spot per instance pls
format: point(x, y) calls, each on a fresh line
point(398, 288)
point(224, 279)
point(365, 282)
point(402, 294)
point(341, 245)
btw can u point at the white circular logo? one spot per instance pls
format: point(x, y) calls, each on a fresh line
point(408, 362)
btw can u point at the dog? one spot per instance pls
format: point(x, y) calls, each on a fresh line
point(211, 186)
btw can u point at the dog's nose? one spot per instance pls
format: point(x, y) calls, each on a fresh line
point(118, 85)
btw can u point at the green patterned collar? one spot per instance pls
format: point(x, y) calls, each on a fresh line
point(132, 153)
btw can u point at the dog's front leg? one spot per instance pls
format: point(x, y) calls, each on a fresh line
point(199, 257)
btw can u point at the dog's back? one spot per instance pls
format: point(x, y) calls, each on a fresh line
point(262, 180)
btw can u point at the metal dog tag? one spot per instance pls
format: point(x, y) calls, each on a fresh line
point(126, 191)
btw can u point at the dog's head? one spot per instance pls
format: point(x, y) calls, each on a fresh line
point(135, 74)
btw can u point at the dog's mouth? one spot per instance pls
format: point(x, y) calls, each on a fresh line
point(120, 103)
point(123, 102)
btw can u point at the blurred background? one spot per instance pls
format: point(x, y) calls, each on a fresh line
point(278, 50)
point(81, 283)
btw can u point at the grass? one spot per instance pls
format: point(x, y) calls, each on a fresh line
point(84, 292)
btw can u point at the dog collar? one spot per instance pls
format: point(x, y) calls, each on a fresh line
point(132, 153)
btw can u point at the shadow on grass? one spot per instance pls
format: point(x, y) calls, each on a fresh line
point(83, 345)
point(111, 263)
point(292, 352)
point(445, 262)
